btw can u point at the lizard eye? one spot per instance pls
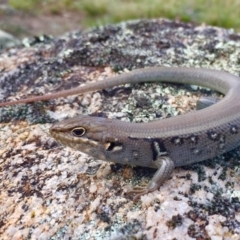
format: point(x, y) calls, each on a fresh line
point(78, 131)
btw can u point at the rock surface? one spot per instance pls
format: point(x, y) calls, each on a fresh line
point(7, 40)
point(52, 192)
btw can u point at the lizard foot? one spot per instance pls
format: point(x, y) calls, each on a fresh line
point(165, 167)
point(139, 191)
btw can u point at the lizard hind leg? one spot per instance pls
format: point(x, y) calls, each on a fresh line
point(165, 168)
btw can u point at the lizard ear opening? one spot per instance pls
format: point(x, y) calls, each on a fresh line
point(78, 131)
point(113, 146)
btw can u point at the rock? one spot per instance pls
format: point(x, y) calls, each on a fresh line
point(7, 40)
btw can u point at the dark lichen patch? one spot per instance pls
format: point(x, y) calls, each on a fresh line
point(33, 113)
point(198, 215)
point(176, 221)
point(128, 230)
point(233, 225)
point(223, 175)
point(29, 75)
point(198, 232)
point(46, 146)
point(225, 206)
point(143, 102)
point(116, 90)
point(197, 168)
point(220, 205)
point(194, 188)
point(142, 172)
point(103, 213)
point(137, 45)
point(116, 167)
point(215, 189)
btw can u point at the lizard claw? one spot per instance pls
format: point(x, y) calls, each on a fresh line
point(139, 191)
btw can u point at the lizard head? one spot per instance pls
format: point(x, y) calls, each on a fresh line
point(86, 134)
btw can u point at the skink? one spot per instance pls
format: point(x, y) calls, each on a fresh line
point(162, 144)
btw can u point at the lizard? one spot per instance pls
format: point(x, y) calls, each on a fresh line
point(162, 144)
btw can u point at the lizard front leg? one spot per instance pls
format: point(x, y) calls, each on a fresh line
point(165, 167)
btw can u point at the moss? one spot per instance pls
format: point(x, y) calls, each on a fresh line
point(26, 5)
